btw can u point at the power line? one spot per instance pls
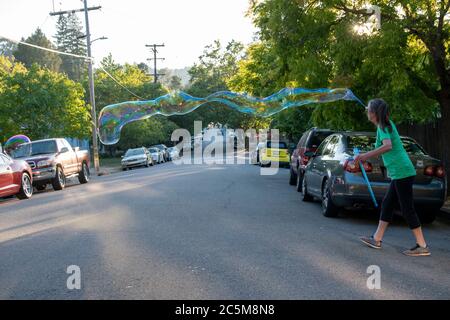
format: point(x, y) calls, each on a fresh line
point(117, 81)
point(155, 59)
point(76, 56)
point(46, 49)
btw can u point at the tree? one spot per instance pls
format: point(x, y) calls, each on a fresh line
point(70, 38)
point(144, 67)
point(40, 103)
point(29, 55)
point(175, 83)
point(7, 48)
point(406, 61)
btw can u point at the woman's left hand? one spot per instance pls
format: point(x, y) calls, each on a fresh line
point(361, 157)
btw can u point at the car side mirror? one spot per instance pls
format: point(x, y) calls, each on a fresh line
point(310, 154)
point(64, 150)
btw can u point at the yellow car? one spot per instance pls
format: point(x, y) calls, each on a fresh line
point(273, 151)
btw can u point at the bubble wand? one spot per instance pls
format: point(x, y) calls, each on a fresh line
point(366, 179)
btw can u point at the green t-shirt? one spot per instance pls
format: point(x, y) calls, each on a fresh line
point(397, 161)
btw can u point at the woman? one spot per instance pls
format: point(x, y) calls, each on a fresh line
point(401, 171)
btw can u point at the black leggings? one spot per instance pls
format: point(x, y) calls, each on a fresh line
point(400, 190)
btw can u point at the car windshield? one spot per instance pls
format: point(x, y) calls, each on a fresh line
point(171, 149)
point(276, 145)
point(153, 150)
point(34, 149)
point(317, 137)
point(134, 152)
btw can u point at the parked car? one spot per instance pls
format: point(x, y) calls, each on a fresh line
point(156, 154)
point(332, 176)
point(271, 151)
point(16, 178)
point(163, 148)
point(309, 142)
point(173, 153)
point(138, 157)
point(53, 161)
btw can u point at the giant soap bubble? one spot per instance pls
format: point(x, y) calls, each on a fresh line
point(114, 117)
point(15, 141)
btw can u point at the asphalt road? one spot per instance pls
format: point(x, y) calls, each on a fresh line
point(205, 232)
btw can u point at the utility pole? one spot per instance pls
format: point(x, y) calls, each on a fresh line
point(91, 79)
point(155, 52)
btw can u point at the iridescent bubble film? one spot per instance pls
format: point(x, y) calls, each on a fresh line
point(114, 117)
point(15, 141)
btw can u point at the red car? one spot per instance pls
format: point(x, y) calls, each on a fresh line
point(16, 178)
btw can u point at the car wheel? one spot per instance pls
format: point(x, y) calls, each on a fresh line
point(84, 175)
point(329, 209)
point(305, 196)
point(26, 188)
point(124, 169)
point(299, 181)
point(59, 181)
point(292, 176)
point(427, 214)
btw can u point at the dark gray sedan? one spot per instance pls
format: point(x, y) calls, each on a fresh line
point(337, 181)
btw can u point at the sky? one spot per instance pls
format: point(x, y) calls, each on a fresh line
point(184, 26)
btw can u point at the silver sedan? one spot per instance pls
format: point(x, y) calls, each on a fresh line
point(337, 181)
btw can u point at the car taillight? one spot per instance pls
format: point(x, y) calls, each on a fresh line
point(434, 171)
point(353, 167)
point(440, 172)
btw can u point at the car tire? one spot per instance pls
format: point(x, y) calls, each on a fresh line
point(427, 215)
point(59, 181)
point(124, 169)
point(292, 176)
point(84, 175)
point(41, 187)
point(26, 187)
point(329, 209)
point(299, 181)
point(305, 196)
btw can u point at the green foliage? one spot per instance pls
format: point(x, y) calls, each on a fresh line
point(146, 133)
point(28, 55)
point(69, 38)
point(40, 103)
point(314, 44)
